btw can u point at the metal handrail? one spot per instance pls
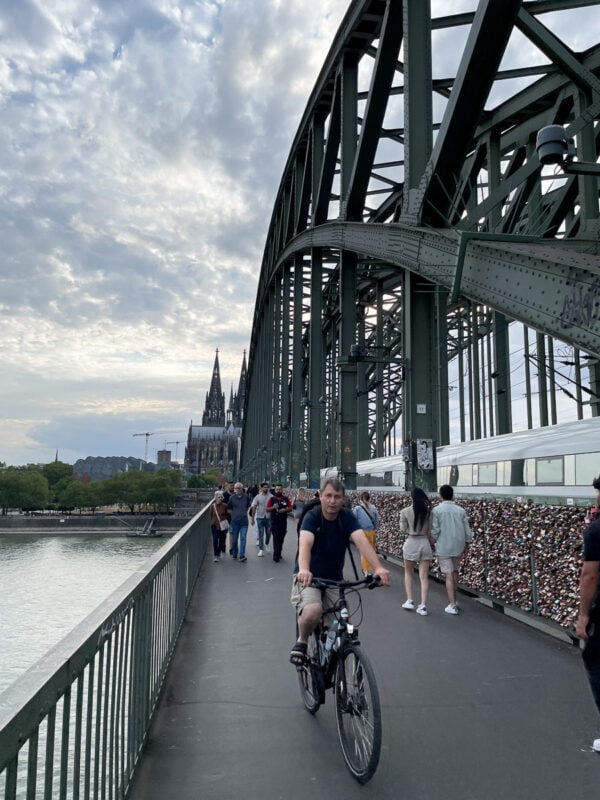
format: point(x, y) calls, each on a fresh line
point(74, 725)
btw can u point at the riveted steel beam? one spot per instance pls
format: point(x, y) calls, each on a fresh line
point(552, 286)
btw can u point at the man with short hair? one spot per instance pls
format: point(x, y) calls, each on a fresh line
point(279, 507)
point(238, 505)
point(324, 538)
point(260, 515)
point(588, 621)
point(452, 534)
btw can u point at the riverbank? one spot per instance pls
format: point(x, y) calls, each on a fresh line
point(75, 524)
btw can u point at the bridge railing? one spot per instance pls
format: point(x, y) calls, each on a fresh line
point(73, 726)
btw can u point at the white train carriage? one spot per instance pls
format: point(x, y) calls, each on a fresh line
point(557, 462)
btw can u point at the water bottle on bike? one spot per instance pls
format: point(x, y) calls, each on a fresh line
point(331, 636)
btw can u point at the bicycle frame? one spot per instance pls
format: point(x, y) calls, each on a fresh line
point(348, 671)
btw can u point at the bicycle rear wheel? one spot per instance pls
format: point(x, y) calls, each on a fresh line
point(310, 677)
point(358, 712)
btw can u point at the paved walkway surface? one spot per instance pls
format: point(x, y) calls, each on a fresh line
point(475, 707)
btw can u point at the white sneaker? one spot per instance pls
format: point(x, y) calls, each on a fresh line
point(450, 609)
point(596, 745)
point(257, 542)
point(260, 553)
point(408, 605)
point(422, 610)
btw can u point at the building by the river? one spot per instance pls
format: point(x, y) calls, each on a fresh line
point(216, 442)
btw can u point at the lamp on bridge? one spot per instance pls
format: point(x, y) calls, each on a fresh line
point(553, 146)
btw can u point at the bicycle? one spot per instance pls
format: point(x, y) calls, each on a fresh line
point(335, 660)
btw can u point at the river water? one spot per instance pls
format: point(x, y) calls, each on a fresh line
point(48, 584)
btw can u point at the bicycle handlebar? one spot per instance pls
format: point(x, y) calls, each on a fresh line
point(369, 582)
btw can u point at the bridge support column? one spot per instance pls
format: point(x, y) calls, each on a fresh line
point(317, 391)
point(296, 456)
point(346, 460)
point(502, 379)
point(425, 406)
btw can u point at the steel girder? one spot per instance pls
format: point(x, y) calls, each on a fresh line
point(432, 175)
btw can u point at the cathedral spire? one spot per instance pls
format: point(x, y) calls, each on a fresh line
point(214, 411)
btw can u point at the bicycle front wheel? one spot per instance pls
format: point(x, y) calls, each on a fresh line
point(358, 712)
point(310, 677)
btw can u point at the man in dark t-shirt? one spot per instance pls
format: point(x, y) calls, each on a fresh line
point(588, 621)
point(322, 543)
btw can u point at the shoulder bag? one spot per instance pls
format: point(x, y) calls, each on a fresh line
point(223, 523)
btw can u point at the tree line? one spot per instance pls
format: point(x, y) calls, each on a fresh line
point(52, 487)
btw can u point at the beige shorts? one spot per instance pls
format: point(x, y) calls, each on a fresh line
point(417, 548)
point(306, 596)
point(449, 564)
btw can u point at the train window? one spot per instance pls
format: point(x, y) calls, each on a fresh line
point(528, 473)
point(587, 467)
point(444, 476)
point(488, 474)
point(514, 473)
point(569, 470)
point(549, 471)
point(465, 475)
point(453, 475)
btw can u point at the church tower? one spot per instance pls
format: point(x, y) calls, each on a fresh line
point(214, 409)
point(238, 401)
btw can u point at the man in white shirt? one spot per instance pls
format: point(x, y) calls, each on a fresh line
point(452, 534)
point(258, 513)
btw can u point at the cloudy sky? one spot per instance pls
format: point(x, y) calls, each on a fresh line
point(142, 143)
point(141, 147)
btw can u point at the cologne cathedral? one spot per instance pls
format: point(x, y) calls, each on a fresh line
point(216, 443)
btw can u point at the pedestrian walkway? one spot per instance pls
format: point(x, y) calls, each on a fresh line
point(475, 707)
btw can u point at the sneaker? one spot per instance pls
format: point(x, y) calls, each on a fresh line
point(257, 543)
point(243, 558)
point(596, 745)
point(422, 610)
point(260, 554)
point(451, 609)
point(408, 605)
point(216, 560)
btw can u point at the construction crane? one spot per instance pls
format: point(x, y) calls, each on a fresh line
point(176, 446)
point(148, 434)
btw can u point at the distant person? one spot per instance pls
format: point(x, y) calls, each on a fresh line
point(219, 525)
point(367, 517)
point(238, 506)
point(299, 503)
point(279, 507)
point(260, 516)
point(228, 491)
point(588, 621)
point(452, 534)
point(415, 521)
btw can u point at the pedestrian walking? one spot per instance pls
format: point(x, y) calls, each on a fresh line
point(367, 517)
point(415, 523)
point(238, 506)
point(279, 506)
point(219, 525)
point(260, 516)
point(452, 534)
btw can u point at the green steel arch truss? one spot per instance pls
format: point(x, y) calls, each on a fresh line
point(414, 227)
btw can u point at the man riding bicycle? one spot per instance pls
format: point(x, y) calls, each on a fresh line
point(325, 534)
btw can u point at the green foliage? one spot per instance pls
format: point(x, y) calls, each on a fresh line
point(33, 488)
point(56, 471)
point(205, 480)
point(78, 495)
point(26, 490)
